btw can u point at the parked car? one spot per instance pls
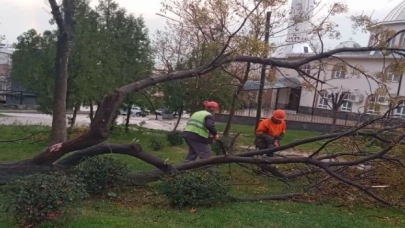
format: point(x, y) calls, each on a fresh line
point(135, 111)
point(161, 110)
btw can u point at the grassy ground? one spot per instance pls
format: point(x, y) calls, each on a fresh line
point(143, 208)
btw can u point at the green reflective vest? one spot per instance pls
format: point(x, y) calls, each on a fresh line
point(196, 124)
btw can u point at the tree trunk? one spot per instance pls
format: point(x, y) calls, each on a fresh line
point(59, 133)
point(91, 115)
point(334, 117)
point(231, 114)
point(151, 104)
point(74, 116)
point(66, 29)
point(235, 98)
point(128, 117)
point(178, 119)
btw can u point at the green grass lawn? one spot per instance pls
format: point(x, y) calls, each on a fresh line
point(290, 136)
point(143, 208)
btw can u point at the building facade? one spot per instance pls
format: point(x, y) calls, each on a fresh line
point(11, 91)
point(372, 82)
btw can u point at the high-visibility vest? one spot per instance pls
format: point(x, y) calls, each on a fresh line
point(196, 124)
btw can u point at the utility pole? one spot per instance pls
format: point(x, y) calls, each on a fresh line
point(263, 72)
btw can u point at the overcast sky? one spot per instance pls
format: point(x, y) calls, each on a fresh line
point(18, 16)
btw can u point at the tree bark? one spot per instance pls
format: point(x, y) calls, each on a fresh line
point(128, 117)
point(91, 115)
point(151, 104)
point(333, 126)
point(178, 118)
point(234, 100)
point(76, 108)
point(65, 36)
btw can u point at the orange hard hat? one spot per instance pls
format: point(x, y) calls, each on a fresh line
point(279, 114)
point(211, 104)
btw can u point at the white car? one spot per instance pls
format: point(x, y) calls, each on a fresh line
point(135, 111)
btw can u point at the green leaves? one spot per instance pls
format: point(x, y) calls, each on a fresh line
point(175, 138)
point(103, 174)
point(37, 198)
point(195, 188)
point(111, 48)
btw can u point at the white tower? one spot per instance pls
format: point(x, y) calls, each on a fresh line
point(299, 22)
point(298, 29)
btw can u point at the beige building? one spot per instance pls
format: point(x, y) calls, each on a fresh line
point(362, 76)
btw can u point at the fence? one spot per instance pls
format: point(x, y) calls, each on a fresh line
point(17, 97)
point(349, 119)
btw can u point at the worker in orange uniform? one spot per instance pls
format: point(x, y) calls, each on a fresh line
point(270, 131)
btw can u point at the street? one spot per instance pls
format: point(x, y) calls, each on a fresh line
point(84, 120)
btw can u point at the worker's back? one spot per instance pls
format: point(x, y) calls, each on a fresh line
point(267, 126)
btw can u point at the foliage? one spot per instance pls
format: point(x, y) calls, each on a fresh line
point(77, 131)
point(195, 188)
point(111, 48)
point(40, 197)
point(226, 141)
point(156, 144)
point(33, 65)
point(103, 174)
point(175, 138)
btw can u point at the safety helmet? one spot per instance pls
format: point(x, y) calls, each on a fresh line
point(211, 104)
point(279, 114)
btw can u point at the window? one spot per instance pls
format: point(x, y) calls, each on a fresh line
point(403, 41)
point(391, 43)
point(3, 85)
point(346, 105)
point(306, 68)
point(339, 71)
point(392, 77)
point(400, 111)
point(378, 99)
point(323, 100)
point(394, 72)
point(372, 108)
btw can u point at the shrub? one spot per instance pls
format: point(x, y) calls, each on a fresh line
point(78, 131)
point(102, 174)
point(198, 188)
point(37, 198)
point(216, 147)
point(156, 144)
point(175, 138)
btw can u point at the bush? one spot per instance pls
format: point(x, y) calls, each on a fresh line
point(175, 138)
point(37, 198)
point(198, 188)
point(216, 147)
point(156, 144)
point(102, 174)
point(78, 131)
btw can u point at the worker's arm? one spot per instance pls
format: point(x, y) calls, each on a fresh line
point(280, 137)
point(262, 131)
point(210, 125)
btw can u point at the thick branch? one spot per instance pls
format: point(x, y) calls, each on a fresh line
point(105, 114)
point(134, 150)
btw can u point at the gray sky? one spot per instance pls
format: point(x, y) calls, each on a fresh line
point(18, 16)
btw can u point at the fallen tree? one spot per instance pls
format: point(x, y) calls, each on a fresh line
point(91, 143)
